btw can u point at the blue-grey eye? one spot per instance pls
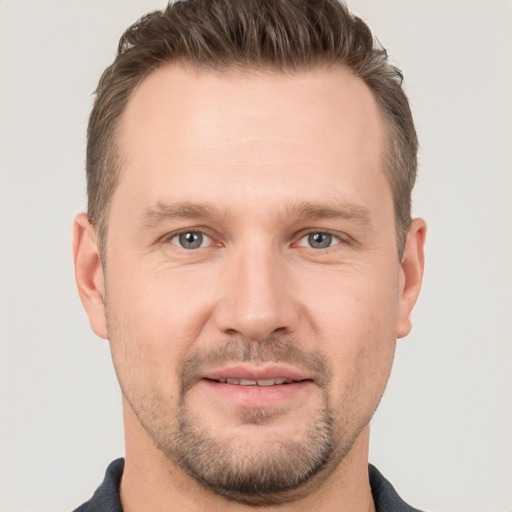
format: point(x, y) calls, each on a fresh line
point(319, 240)
point(190, 239)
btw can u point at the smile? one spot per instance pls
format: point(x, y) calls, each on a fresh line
point(249, 386)
point(260, 382)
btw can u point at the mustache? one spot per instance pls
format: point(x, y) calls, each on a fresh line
point(242, 350)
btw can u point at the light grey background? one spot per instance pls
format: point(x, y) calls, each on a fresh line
point(443, 432)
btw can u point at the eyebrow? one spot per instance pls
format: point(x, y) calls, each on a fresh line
point(344, 210)
point(154, 215)
point(305, 210)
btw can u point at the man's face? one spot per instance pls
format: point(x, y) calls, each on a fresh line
point(253, 289)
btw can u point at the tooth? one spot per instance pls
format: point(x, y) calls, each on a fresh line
point(250, 382)
point(266, 382)
point(247, 382)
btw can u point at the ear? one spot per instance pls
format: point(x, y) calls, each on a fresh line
point(411, 274)
point(89, 274)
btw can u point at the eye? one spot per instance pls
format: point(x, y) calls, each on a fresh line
point(319, 240)
point(191, 240)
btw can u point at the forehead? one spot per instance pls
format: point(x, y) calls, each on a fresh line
point(260, 132)
point(187, 103)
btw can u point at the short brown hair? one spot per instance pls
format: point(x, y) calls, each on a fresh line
point(282, 35)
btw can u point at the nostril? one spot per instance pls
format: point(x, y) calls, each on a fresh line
point(280, 331)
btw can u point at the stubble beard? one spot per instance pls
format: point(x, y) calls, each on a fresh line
point(253, 473)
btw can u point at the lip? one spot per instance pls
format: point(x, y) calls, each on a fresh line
point(257, 373)
point(254, 396)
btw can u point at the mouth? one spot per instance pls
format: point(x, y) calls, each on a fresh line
point(267, 376)
point(260, 382)
point(255, 387)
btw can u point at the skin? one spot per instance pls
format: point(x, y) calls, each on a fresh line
point(257, 162)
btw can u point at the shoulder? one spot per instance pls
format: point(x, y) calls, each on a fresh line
point(106, 498)
point(384, 494)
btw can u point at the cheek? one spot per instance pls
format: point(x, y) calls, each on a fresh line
point(153, 321)
point(158, 308)
point(355, 316)
point(357, 302)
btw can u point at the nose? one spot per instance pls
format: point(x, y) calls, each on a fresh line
point(257, 296)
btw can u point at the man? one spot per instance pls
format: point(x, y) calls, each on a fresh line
point(249, 254)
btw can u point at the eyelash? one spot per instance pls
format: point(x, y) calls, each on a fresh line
point(336, 237)
point(172, 236)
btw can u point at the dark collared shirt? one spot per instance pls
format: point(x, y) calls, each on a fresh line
point(106, 498)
